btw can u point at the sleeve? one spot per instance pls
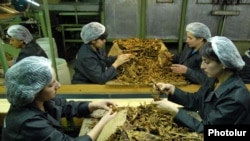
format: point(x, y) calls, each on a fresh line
point(40, 128)
point(196, 76)
point(72, 108)
point(94, 71)
point(220, 113)
point(176, 58)
point(111, 60)
point(184, 119)
point(188, 100)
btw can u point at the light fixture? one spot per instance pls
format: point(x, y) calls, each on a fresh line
point(33, 2)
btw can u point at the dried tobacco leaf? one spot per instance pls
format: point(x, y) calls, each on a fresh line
point(150, 60)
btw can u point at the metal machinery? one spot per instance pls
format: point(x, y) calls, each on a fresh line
point(166, 19)
point(162, 19)
point(9, 16)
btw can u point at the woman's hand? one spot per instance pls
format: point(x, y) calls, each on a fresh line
point(166, 106)
point(105, 104)
point(164, 88)
point(108, 116)
point(121, 59)
point(178, 68)
point(99, 126)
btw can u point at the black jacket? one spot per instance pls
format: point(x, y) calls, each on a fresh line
point(245, 72)
point(193, 61)
point(229, 104)
point(31, 124)
point(31, 49)
point(93, 67)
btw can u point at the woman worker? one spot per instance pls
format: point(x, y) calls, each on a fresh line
point(188, 61)
point(20, 37)
point(222, 99)
point(35, 112)
point(92, 63)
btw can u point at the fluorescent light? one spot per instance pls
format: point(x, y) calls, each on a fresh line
point(33, 2)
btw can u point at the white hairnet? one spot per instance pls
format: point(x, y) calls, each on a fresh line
point(199, 30)
point(91, 31)
point(20, 32)
point(227, 52)
point(26, 78)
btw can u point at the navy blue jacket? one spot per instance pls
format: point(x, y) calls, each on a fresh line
point(193, 61)
point(31, 124)
point(31, 49)
point(228, 104)
point(93, 67)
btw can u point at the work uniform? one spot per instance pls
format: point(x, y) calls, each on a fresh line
point(193, 61)
point(31, 49)
point(245, 72)
point(31, 124)
point(93, 67)
point(229, 104)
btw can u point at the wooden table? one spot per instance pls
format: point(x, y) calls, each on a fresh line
point(122, 94)
point(130, 94)
point(117, 121)
point(99, 92)
point(106, 89)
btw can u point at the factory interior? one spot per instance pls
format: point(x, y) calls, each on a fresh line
point(56, 26)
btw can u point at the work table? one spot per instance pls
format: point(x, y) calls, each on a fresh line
point(91, 91)
point(123, 95)
point(106, 91)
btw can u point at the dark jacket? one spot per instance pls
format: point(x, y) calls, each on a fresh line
point(31, 49)
point(93, 67)
point(229, 104)
point(245, 72)
point(31, 124)
point(193, 61)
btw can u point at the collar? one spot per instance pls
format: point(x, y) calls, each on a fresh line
point(227, 85)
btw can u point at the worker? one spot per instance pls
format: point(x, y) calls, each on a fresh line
point(20, 37)
point(222, 99)
point(188, 61)
point(245, 72)
point(92, 65)
point(35, 111)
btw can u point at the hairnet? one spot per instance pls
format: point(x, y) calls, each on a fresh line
point(26, 78)
point(227, 52)
point(199, 30)
point(92, 31)
point(20, 32)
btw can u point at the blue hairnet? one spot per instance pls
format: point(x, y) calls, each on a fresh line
point(26, 78)
point(227, 52)
point(92, 31)
point(199, 30)
point(20, 32)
